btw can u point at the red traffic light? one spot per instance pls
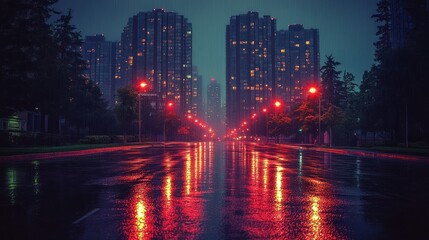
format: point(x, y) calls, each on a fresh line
point(170, 104)
point(277, 104)
point(312, 90)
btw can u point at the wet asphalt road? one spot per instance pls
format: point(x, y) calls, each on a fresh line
point(214, 191)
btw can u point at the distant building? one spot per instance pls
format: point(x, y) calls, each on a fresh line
point(197, 94)
point(214, 111)
point(100, 56)
point(250, 65)
point(297, 62)
point(156, 47)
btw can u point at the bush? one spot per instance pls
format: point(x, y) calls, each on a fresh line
point(96, 139)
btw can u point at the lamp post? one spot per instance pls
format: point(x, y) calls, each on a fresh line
point(313, 91)
point(264, 110)
point(277, 105)
point(168, 107)
point(142, 88)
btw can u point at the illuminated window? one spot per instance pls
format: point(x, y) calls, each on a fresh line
point(296, 44)
point(139, 54)
point(283, 50)
point(307, 42)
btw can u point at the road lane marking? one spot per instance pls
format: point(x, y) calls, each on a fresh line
point(86, 215)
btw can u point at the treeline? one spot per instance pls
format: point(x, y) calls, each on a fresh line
point(390, 106)
point(394, 91)
point(42, 69)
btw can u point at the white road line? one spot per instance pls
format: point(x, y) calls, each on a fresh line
point(85, 216)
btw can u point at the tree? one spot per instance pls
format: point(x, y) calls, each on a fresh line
point(332, 88)
point(278, 124)
point(350, 109)
point(26, 48)
point(333, 93)
point(172, 124)
point(126, 109)
point(332, 116)
point(383, 18)
point(307, 116)
point(80, 100)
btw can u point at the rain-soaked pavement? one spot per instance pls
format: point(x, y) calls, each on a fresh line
point(215, 191)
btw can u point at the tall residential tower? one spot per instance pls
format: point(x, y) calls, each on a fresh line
point(297, 62)
point(250, 65)
point(156, 47)
point(214, 110)
point(100, 56)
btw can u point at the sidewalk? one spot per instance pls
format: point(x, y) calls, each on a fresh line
point(73, 153)
point(356, 152)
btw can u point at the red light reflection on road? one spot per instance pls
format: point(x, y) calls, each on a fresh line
point(140, 225)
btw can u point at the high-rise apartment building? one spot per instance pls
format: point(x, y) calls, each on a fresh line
point(297, 62)
point(156, 47)
point(214, 116)
point(100, 56)
point(250, 65)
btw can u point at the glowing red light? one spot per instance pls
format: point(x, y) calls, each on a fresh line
point(264, 110)
point(277, 104)
point(143, 85)
point(189, 116)
point(170, 104)
point(312, 90)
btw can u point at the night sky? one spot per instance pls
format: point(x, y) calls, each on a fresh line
point(345, 26)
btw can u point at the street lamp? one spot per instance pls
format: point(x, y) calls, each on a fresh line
point(142, 87)
point(277, 105)
point(313, 90)
point(169, 106)
point(265, 111)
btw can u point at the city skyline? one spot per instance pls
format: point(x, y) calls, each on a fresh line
point(349, 40)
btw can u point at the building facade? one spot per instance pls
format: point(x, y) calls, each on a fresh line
point(250, 65)
point(197, 94)
point(214, 110)
point(100, 56)
point(156, 47)
point(297, 62)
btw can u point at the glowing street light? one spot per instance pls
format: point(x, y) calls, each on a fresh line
point(169, 106)
point(143, 85)
point(313, 91)
point(277, 104)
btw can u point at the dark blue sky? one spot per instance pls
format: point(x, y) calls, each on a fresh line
point(345, 26)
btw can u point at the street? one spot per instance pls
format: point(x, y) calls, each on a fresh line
point(214, 190)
